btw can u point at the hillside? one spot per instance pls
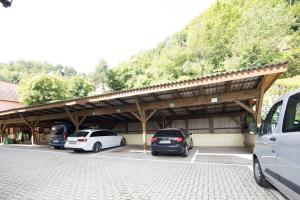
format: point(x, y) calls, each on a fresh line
point(14, 72)
point(231, 34)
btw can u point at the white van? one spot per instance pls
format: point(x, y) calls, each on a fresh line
point(276, 156)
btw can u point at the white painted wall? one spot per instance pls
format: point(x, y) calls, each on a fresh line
point(229, 135)
point(206, 139)
point(249, 140)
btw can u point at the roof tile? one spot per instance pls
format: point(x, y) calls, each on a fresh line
point(8, 91)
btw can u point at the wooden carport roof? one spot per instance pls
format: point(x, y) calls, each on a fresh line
point(225, 92)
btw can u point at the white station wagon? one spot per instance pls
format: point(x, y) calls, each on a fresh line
point(93, 140)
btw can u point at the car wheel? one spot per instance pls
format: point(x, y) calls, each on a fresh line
point(56, 147)
point(191, 144)
point(97, 147)
point(258, 174)
point(154, 153)
point(122, 142)
point(185, 152)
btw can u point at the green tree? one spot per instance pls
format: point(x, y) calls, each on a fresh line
point(42, 89)
point(231, 34)
point(100, 76)
point(78, 87)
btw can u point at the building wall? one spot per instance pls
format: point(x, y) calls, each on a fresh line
point(206, 139)
point(6, 105)
point(250, 140)
point(226, 131)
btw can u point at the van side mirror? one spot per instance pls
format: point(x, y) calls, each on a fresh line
point(259, 130)
point(253, 129)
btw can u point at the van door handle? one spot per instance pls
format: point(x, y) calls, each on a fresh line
point(273, 138)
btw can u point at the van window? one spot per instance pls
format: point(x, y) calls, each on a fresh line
point(57, 130)
point(291, 122)
point(272, 118)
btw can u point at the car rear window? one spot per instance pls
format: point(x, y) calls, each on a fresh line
point(79, 134)
point(169, 133)
point(57, 130)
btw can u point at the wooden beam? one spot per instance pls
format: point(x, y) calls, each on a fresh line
point(164, 104)
point(126, 127)
point(136, 115)
point(2, 130)
point(250, 110)
point(71, 117)
point(269, 80)
point(82, 120)
point(144, 128)
point(151, 114)
point(27, 122)
point(32, 125)
point(187, 124)
point(260, 101)
point(211, 124)
point(139, 108)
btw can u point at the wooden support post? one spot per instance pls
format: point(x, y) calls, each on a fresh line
point(144, 128)
point(32, 125)
point(75, 119)
point(250, 110)
point(260, 101)
point(2, 130)
point(187, 124)
point(211, 124)
point(143, 118)
point(126, 127)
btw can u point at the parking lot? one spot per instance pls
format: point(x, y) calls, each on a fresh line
point(128, 173)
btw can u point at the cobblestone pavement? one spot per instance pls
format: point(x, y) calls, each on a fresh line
point(34, 173)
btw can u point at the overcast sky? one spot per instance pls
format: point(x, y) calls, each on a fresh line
point(79, 33)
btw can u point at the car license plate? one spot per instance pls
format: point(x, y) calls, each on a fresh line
point(165, 142)
point(72, 142)
point(55, 141)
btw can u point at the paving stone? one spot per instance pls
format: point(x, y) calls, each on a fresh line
point(46, 175)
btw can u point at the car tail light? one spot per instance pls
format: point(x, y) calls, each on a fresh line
point(179, 139)
point(154, 139)
point(82, 140)
point(65, 135)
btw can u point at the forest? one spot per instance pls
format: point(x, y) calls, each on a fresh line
point(230, 35)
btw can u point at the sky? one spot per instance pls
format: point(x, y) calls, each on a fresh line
point(79, 33)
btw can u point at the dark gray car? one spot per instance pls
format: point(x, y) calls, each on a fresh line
point(171, 141)
point(59, 134)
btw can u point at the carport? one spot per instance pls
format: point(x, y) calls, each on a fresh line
point(193, 104)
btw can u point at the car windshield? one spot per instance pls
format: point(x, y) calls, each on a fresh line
point(79, 134)
point(57, 130)
point(169, 133)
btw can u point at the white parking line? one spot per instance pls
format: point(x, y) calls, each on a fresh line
point(139, 151)
point(38, 150)
point(194, 157)
point(128, 158)
point(246, 156)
